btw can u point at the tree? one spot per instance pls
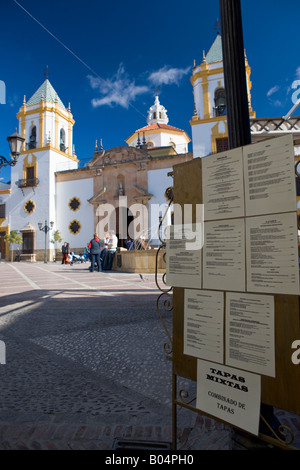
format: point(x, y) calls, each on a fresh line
point(11, 238)
point(56, 238)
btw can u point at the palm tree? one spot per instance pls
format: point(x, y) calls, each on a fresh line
point(11, 238)
point(56, 238)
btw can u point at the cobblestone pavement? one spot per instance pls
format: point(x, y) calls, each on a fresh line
point(85, 365)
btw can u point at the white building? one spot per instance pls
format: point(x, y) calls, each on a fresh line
point(158, 133)
point(47, 187)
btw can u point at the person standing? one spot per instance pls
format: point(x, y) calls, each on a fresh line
point(94, 247)
point(104, 252)
point(111, 249)
point(64, 252)
point(69, 256)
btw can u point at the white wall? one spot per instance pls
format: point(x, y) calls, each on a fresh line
point(65, 191)
point(18, 218)
point(201, 138)
point(158, 182)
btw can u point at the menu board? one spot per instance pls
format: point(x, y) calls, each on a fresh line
point(204, 324)
point(272, 254)
point(224, 255)
point(249, 254)
point(224, 193)
point(250, 332)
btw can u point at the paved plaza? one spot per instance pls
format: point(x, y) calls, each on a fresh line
point(85, 363)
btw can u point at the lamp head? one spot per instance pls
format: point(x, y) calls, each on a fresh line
point(15, 143)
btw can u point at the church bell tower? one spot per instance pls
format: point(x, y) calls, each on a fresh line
point(47, 127)
point(209, 122)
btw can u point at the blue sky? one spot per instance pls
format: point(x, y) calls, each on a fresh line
point(96, 48)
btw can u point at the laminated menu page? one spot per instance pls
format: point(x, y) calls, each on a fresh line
point(184, 255)
point(272, 254)
point(223, 188)
point(203, 324)
point(269, 173)
point(250, 332)
point(224, 255)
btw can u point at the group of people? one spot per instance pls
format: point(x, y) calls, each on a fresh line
point(68, 256)
point(102, 254)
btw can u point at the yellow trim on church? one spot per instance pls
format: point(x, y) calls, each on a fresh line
point(26, 165)
point(159, 130)
point(205, 73)
point(196, 120)
point(215, 134)
point(42, 108)
point(51, 147)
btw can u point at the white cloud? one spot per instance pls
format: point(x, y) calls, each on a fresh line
point(168, 76)
point(118, 90)
point(273, 90)
point(298, 72)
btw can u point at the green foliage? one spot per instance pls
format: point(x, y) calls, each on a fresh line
point(56, 237)
point(13, 237)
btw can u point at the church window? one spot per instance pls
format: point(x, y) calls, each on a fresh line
point(28, 243)
point(62, 142)
point(74, 204)
point(32, 138)
point(121, 185)
point(29, 207)
point(159, 115)
point(75, 227)
point(154, 115)
point(222, 144)
point(220, 102)
point(29, 173)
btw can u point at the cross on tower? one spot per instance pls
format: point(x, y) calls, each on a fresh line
point(217, 26)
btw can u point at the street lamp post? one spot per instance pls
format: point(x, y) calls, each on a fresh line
point(45, 229)
point(15, 142)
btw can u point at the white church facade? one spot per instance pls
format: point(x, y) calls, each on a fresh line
point(48, 188)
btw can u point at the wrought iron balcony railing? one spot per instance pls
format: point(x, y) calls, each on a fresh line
point(28, 183)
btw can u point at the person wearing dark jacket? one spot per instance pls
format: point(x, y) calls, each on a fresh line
point(94, 247)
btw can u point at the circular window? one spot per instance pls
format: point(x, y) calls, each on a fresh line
point(74, 204)
point(75, 227)
point(29, 207)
